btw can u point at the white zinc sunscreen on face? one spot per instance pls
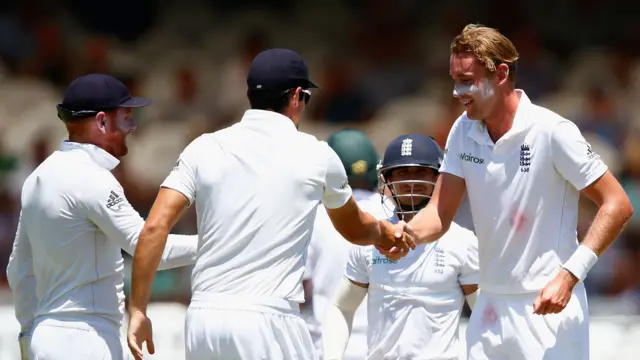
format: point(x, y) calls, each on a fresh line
point(483, 89)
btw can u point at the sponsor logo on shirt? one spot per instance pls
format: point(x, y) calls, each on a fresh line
point(470, 158)
point(382, 260)
point(114, 200)
point(344, 185)
point(176, 166)
point(590, 153)
point(525, 157)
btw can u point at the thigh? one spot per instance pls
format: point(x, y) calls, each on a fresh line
point(58, 343)
point(357, 347)
point(292, 336)
point(563, 336)
point(245, 335)
point(571, 329)
point(484, 331)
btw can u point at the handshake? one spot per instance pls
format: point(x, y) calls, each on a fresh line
point(395, 241)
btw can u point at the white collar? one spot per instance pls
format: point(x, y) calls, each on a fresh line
point(97, 154)
point(268, 119)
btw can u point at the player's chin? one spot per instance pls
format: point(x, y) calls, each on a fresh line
point(123, 151)
point(473, 113)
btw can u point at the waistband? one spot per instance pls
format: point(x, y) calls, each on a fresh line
point(207, 300)
point(578, 289)
point(88, 322)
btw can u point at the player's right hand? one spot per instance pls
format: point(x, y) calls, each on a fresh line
point(139, 332)
point(396, 242)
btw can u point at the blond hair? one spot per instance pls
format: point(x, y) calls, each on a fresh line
point(488, 46)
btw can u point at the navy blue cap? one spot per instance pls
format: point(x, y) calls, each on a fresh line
point(98, 92)
point(278, 70)
point(412, 150)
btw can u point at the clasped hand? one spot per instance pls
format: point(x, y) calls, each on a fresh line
point(396, 240)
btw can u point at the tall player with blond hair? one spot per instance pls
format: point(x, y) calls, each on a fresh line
point(524, 168)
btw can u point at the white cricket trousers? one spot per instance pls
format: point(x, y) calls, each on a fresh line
point(504, 327)
point(356, 347)
point(78, 337)
point(221, 327)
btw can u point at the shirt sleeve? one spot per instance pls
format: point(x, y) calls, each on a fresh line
point(470, 268)
point(451, 163)
point(22, 279)
point(109, 209)
point(573, 157)
point(357, 268)
point(336, 189)
point(183, 176)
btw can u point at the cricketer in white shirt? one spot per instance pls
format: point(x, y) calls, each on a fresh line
point(66, 270)
point(256, 186)
point(327, 257)
point(414, 304)
point(523, 168)
point(328, 250)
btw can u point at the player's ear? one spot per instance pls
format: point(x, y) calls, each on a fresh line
point(295, 98)
point(101, 121)
point(502, 73)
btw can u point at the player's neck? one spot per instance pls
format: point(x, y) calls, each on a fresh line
point(501, 121)
point(86, 138)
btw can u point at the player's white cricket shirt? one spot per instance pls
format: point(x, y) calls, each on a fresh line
point(414, 304)
point(327, 257)
point(256, 187)
point(75, 219)
point(523, 192)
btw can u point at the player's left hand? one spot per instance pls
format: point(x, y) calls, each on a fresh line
point(139, 331)
point(556, 295)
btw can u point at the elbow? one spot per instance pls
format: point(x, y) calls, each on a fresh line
point(622, 206)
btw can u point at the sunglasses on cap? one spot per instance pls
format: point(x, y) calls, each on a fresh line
point(304, 93)
point(70, 115)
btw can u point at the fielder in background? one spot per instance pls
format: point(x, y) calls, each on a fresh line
point(328, 250)
point(66, 270)
point(524, 168)
point(414, 303)
point(256, 187)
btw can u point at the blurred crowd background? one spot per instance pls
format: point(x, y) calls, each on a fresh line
point(382, 66)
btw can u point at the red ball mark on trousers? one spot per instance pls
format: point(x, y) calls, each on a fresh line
point(489, 316)
point(518, 220)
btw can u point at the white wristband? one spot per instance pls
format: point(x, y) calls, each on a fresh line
point(581, 262)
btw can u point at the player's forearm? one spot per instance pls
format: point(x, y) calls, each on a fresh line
point(607, 225)
point(180, 250)
point(427, 225)
point(22, 281)
point(605, 228)
point(145, 264)
point(25, 300)
point(368, 233)
point(339, 319)
point(336, 332)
